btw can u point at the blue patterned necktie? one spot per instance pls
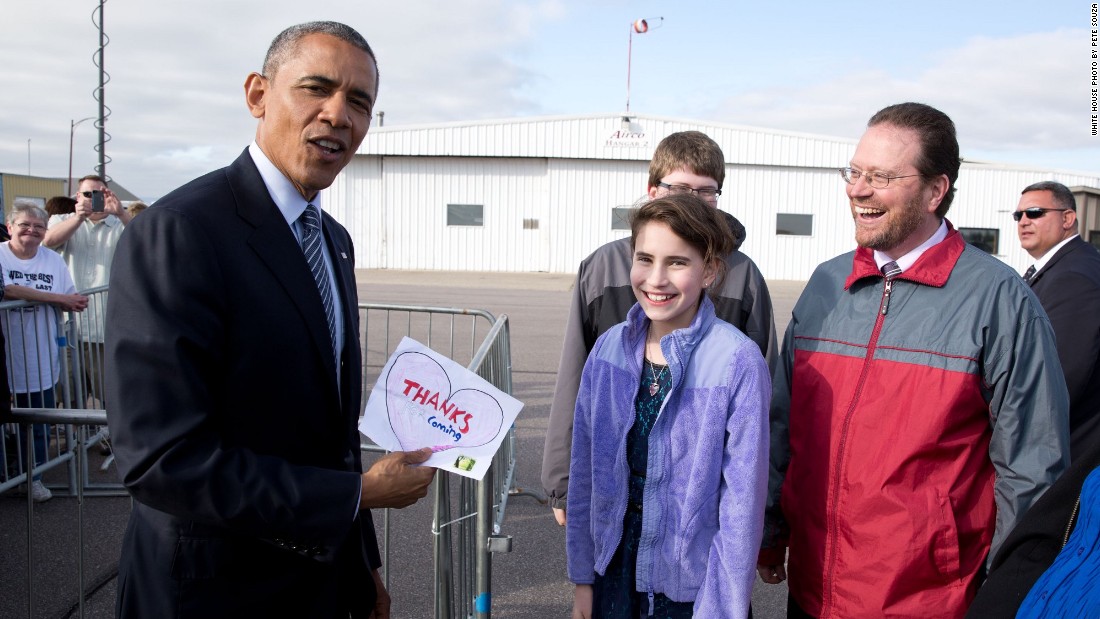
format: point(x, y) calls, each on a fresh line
point(311, 247)
point(891, 270)
point(1029, 273)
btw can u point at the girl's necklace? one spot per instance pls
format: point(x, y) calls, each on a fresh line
point(654, 377)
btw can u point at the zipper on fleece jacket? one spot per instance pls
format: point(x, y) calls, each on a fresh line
point(622, 450)
point(834, 492)
point(644, 574)
point(659, 422)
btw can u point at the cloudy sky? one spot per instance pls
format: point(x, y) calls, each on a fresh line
point(1013, 76)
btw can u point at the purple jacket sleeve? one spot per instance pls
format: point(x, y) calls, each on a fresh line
point(731, 566)
point(581, 559)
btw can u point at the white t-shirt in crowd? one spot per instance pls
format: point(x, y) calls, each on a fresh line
point(30, 333)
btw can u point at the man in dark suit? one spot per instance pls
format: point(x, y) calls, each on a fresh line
point(233, 367)
point(1066, 278)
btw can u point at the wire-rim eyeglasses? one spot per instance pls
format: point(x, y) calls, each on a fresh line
point(877, 180)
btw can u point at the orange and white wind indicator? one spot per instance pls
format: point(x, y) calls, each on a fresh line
point(640, 26)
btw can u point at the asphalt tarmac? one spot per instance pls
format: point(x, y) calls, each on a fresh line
point(529, 582)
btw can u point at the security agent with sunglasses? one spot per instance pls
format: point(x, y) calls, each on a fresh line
point(916, 409)
point(1066, 278)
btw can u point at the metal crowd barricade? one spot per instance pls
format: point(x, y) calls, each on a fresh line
point(71, 418)
point(48, 353)
point(467, 515)
point(86, 385)
point(25, 325)
point(467, 530)
point(69, 373)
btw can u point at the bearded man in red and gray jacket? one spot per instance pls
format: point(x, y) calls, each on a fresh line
point(918, 406)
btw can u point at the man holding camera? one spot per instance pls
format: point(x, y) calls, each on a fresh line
point(78, 234)
point(86, 239)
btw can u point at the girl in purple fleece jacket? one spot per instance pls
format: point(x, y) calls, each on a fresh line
point(669, 463)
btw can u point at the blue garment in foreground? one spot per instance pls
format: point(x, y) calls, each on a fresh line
point(1071, 585)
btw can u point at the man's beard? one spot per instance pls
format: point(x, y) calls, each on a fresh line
point(904, 222)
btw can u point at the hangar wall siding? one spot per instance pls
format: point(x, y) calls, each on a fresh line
point(400, 221)
point(988, 195)
point(548, 188)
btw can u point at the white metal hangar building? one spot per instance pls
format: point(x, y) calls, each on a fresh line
point(540, 194)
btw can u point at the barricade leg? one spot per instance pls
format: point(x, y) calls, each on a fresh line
point(443, 575)
point(28, 461)
point(483, 601)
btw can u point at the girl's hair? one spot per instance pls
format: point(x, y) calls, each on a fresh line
point(700, 225)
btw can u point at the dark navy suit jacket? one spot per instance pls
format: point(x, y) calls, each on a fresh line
point(1068, 287)
point(230, 429)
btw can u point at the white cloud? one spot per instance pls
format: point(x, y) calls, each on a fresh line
point(1006, 94)
point(463, 64)
point(177, 70)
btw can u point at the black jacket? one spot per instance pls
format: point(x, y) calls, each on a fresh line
point(230, 429)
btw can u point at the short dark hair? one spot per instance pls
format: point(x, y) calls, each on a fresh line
point(700, 225)
point(939, 152)
point(60, 205)
point(1062, 195)
point(693, 151)
point(284, 43)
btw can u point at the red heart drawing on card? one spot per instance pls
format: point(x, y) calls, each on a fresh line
point(422, 410)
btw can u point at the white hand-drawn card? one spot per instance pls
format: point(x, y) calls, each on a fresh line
point(423, 399)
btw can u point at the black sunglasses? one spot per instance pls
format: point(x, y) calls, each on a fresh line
point(1034, 212)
